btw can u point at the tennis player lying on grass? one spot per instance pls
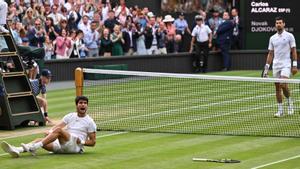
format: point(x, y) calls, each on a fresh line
point(70, 136)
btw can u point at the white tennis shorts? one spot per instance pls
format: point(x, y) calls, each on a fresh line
point(69, 147)
point(283, 72)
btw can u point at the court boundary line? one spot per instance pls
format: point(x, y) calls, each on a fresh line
point(276, 162)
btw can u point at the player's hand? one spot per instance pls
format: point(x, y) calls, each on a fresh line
point(294, 70)
point(48, 132)
point(265, 74)
point(80, 142)
point(266, 71)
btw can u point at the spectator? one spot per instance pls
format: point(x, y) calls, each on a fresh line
point(237, 31)
point(15, 29)
point(224, 37)
point(118, 41)
point(13, 13)
point(104, 7)
point(140, 40)
point(88, 11)
point(132, 41)
point(47, 8)
point(111, 21)
point(36, 34)
point(213, 24)
point(202, 40)
point(148, 39)
point(38, 11)
point(122, 9)
point(85, 24)
point(122, 18)
point(28, 19)
point(127, 40)
point(142, 21)
point(55, 15)
point(51, 29)
point(153, 25)
point(63, 25)
point(74, 17)
point(106, 43)
point(161, 36)
point(72, 52)
point(63, 43)
point(69, 5)
point(182, 29)
point(49, 48)
point(64, 13)
point(80, 46)
point(171, 32)
point(91, 40)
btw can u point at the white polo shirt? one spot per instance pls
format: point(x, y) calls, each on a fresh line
point(281, 44)
point(79, 127)
point(201, 33)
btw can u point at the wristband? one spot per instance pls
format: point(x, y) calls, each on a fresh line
point(295, 63)
point(82, 142)
point(267, 66)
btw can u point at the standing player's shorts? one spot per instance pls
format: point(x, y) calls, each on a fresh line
point(69, 147)
point(283, 72)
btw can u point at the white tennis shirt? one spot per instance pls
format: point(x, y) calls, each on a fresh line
point(201, 33)
point(281, 44)
point(79, 126)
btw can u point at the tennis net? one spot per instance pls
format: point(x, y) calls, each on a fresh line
point(189, 103)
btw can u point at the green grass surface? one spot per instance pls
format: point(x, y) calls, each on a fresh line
point(157, 150)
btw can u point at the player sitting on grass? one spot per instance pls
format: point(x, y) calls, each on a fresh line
point(70, 136)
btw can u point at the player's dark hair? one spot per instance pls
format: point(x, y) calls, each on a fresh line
point(278, 18)
point(78, 98)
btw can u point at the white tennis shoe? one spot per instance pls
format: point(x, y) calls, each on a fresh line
point(28, 148)
point(278, 114)
point(10, 149)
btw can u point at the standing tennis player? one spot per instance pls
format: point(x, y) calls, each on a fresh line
point(281, 45)
point(70, 136)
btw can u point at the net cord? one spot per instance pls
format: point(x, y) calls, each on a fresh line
point(190, 76)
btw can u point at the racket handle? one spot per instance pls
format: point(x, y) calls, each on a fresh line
point(199, 159)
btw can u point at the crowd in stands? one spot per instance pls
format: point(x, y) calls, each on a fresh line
point(80, 29)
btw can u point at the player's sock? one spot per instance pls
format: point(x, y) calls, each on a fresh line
point(290, 101)
point(280, 107)
point(280, 110)
point(36, 146)
point(290, 106)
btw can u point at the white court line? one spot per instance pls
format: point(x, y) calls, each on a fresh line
point(3, 154)
point(276, 162)
point(101, 136)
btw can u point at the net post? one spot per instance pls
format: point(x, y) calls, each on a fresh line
point(79, 81)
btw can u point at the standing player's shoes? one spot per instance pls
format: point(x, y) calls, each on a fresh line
point(27, 148)
point(278, 114)
point(10, 149)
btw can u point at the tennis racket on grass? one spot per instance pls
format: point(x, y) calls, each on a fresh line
point(225, 160)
